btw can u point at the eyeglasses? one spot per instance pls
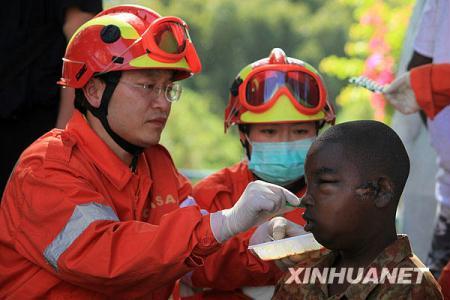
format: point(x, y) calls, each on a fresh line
point(172, 91)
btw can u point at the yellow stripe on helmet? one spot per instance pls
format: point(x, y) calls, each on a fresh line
point(126, 30)
point(282, 111)
point(144, 61)
point(245, 71)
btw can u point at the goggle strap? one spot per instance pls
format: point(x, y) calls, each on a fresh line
point(113, 62)
point(233, 110)
point(247, 139)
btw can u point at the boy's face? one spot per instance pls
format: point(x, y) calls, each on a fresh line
point(335, 214)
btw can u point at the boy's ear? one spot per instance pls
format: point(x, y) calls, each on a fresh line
point(380, 191)
point(385, 193)
point(93, 91)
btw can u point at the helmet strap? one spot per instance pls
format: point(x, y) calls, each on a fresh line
point(101, 113)
point(245, 145)
point(244, 131)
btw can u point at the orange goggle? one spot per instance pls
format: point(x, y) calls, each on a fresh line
point(264, 85)
point(167, 38)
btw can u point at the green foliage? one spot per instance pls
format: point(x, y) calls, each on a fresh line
point(356, 103)
point(374, 43)
point(194, 135)
point(341, 67)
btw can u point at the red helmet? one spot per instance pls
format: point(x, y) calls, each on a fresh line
point(278, 89)
point(128, 37)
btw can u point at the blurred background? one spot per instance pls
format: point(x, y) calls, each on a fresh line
point(341, 38)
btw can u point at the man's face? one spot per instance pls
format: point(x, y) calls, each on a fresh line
point(335, 214)
point(139, 114)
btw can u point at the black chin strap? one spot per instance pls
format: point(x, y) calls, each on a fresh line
point(101, 113)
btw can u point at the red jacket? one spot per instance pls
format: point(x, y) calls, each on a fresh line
point(75, 223)
point(444, 281)
point(431, 85)
point(221, 191)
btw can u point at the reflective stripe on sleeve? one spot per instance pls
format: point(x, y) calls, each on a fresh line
point(190, 201)
point(82, 217)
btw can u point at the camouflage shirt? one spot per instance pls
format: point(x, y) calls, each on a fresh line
point(395, 256)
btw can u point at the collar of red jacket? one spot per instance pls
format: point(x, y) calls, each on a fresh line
point(98, 152)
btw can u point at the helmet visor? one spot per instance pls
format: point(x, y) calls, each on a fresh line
point(263, 86)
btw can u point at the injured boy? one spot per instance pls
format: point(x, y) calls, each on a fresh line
point(355, 174)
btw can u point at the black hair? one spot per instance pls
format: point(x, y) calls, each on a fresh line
point(245, 129)
point(81, 103)
point(374, 148)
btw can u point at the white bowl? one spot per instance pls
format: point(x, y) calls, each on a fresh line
point(286, 247)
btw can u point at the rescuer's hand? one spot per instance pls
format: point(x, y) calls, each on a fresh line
point(400, 94)
point(259, 202)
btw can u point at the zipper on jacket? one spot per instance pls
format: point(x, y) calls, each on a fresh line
point(136, 197)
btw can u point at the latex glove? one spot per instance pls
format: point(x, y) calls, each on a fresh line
point(276, 229)
point(400, 94)
point(259, 202)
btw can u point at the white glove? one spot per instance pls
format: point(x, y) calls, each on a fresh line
point(276, 229)
point(259, 202)
point(400, 94)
